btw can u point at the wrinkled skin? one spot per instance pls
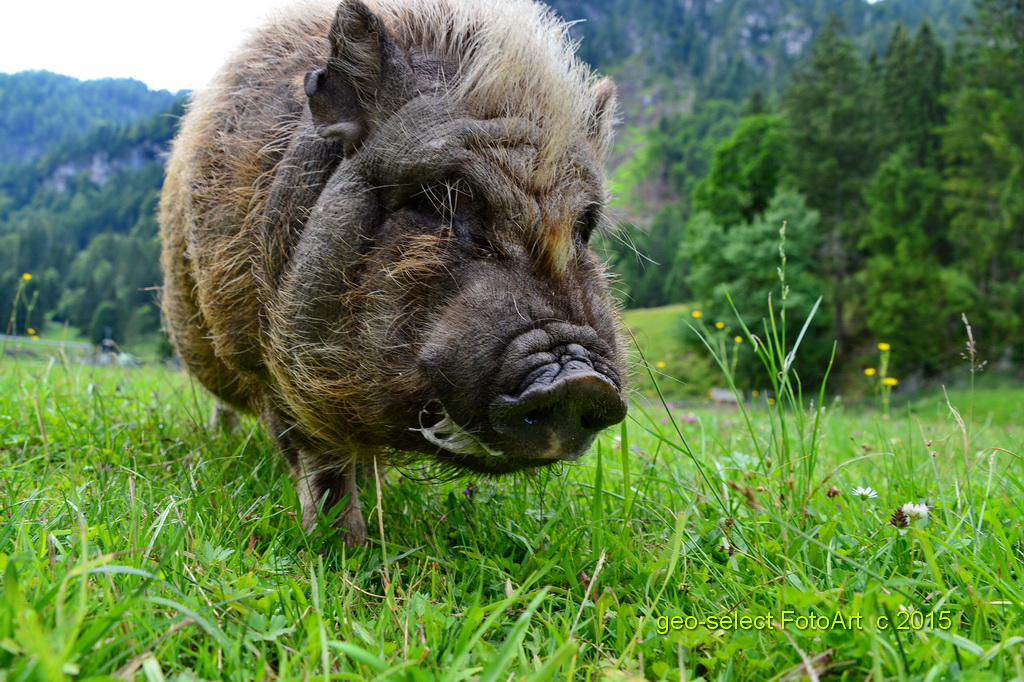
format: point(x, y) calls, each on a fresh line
point(400, 284)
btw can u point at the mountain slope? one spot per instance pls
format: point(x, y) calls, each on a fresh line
point(39, 109)
point(728, 49)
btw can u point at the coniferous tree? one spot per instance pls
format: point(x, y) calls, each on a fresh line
point(930, 87)
point(984, 147)
point(834, 142)
point(896, 71)
point(755, 104)
point(912, 89)
point(903, 284)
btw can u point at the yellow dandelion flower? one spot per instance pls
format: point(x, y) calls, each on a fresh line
point(884, 346)
point(870, 371)
point(890, 381)
point(26, 276)
point(738, 339)
point(771, 401)
point(696, 314)
point(719, 325)
point(660, 365)
point(35, 338)
point(756, 392)
point(30, 330)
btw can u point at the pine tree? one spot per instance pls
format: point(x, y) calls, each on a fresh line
point(930, 60)
point(833, 127)
point(833, 147)
point(912, 88)
point(984, 147)
point(903, 283)
point(755, 104)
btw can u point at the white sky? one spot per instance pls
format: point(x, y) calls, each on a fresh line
point(169, 44)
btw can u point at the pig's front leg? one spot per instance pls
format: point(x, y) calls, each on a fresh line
point(322, 480)
point(223, 418)
point(322, 489)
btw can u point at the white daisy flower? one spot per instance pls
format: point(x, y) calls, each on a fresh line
point(864, 492)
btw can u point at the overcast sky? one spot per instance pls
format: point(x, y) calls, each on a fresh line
point(173, 45)
point(170, 44)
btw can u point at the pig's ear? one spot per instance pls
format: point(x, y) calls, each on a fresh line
point(344, 95)
point(602, 117)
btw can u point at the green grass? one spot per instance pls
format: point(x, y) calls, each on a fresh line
point(135, 543)
point(995, 406)
point(657, 330)
point(657, 335)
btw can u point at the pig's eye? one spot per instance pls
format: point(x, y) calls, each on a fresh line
point(444, 204)
point(587, 223)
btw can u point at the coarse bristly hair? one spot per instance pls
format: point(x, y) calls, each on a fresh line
point(514, 59)
point(308, 274)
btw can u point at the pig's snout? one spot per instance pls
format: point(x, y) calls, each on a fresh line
point(560, 407)
point(553, 389)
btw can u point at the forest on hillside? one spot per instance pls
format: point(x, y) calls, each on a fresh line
point(39, 109)
point(901, 180)
point(728, 49)
point(78, 224)
point(890, 139)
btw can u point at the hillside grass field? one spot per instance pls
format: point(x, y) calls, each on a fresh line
point(655, 336)
point(691, 544)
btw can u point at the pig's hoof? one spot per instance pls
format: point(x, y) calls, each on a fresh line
point(224, 419)
point(351, 527)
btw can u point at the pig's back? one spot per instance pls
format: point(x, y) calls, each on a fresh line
point(222, 163)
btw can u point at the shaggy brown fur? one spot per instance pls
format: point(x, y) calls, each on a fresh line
point(375, 223)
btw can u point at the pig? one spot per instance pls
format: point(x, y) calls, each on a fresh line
point(376, 224)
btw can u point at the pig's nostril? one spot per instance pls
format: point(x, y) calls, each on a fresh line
point(593, 422)
point(539, 416)
point(552, 415)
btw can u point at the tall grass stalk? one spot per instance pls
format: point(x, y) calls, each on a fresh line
point(792, 450)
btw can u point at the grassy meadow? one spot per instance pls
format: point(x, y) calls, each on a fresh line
point(695, 543)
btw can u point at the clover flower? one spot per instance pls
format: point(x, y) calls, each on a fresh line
point(915, 512)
